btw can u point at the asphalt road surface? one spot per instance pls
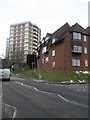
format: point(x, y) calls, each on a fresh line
point(34, 99)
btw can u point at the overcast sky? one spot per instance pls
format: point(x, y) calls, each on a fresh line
point(49, 15)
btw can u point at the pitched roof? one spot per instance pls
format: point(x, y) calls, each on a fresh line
point(77, 28)
point(88, 30)
point(48, 34)
point(61, 37)
point(62, 29)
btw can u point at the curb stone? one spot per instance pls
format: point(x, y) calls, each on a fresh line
point(7, 112)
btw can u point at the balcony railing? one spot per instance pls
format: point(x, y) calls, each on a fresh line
point(74, 51)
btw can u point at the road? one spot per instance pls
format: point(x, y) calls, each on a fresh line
point(34, 99)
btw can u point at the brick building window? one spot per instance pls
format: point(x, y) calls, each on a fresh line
point(53, 53)
point(42, 61)
point(44, 50)
point(53, 64)
point(76, 62)
point(76, 48)
point(76, 36)
point(27, 25)
point(85, 38)
point(53, 40)
point(86, 63)
point(46, 60)
point(85, 50)
point(12, 28)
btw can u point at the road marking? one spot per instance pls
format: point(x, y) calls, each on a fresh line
point(63, 98)
point(36, 89)
point(72, 102)
point(14, 114)
point(15, 110)
point(22, 84)
point(66, 100)
point(33, 88)
point(42, 91)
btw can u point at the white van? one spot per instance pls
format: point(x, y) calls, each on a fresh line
point(5, 74)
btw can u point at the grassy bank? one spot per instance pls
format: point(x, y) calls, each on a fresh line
point(54, 76)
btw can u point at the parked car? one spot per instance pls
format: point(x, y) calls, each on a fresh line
point(5, 74)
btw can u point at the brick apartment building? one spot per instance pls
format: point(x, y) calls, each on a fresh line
point(66, 49)
point(88, 30)
point(23, 40)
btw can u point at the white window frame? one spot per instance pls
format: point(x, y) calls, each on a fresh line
point(21, 26)
point(77, 49)
point(79, 36)
point(43, 61)
point(26, 24)
point(42, 41)
point(12, 28)
point(25, 52)
point(47, 38)
point(26, 29)
point(85, 38)
point(26, 36)
point(53, 40)
point(53, 64)
point(85, 50)
point(86, 63)
point(53, 53)
point(44, 50)
point(16, 27)
point(11, 34)
point(26, 40)
point(76, 36)
point(46, 60)
point(76, 62)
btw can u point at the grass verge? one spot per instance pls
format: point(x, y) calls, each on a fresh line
point(54, 76)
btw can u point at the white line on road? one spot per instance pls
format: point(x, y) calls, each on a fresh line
point(33, 88)
point(36, 89)
point(22, 84)
point(63, 98)
point(42, 91)
point(14, 114)
point(45, 92)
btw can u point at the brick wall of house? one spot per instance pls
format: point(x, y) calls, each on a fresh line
point(88, 30)
point(58, 58)
point(89, 53)
point(63, 50)
point(84, 56)
point(68, 52)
